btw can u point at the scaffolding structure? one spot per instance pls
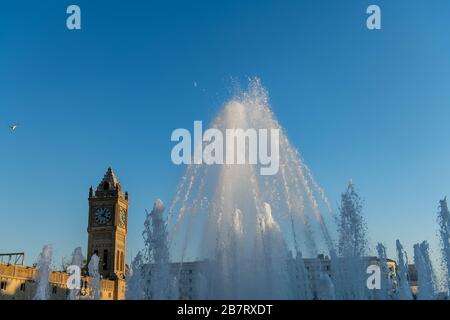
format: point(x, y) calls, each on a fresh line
point(15, 258)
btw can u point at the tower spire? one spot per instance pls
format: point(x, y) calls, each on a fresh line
point(109, 181)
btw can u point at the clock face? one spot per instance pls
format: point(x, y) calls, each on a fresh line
point(102, 215)
point(123, 218)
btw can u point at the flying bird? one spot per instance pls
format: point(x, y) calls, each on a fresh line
point(13, 127)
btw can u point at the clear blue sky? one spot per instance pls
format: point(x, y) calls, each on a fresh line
point(373, 106)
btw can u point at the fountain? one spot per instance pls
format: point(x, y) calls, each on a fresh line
point(241, 229)
point(444, 232)
point(347, 265)
point(149, 276)
point(94, 281)
point(403, 288)
point(385, 291)
point(326, 289)
point(243, 223)
point(77, 260)
point(425, 272)
point(299, 275)
point(157, 254)
point(43, 272)
point(134, 276)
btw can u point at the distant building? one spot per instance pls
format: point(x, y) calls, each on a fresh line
point(413, 279)
point(188, 277)
point(17, 282)
point(317, 267)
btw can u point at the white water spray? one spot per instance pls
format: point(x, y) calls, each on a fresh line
point(403, 288)
point(94, 281)
point(244, 223)
point(444, 232)
point(43, 272)
point(425, 272)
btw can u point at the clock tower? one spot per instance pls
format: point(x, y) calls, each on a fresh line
point(107, 226)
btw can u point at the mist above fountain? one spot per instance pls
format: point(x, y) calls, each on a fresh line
point(245, 224)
